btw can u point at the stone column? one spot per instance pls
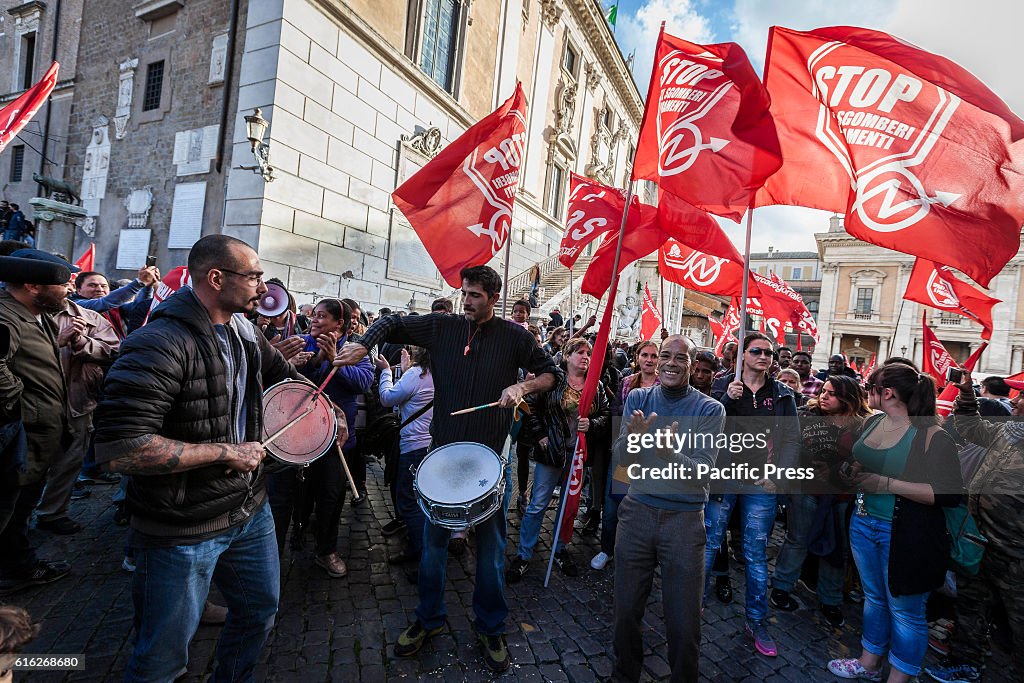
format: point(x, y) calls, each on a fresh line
point(1015, 359)
point(55, 224)
point(883, 350)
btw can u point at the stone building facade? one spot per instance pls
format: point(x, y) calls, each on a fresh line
point(149, 141)
point(27, 47)
point(362, 93)
point(862, 311)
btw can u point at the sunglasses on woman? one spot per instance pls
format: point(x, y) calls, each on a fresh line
point(759, 352)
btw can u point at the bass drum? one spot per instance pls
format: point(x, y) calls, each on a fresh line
point(460, 484)
point(312, 436)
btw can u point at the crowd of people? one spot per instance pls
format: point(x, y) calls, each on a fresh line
point(166, 403)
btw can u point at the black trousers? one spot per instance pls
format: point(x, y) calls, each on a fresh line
point(17, 557)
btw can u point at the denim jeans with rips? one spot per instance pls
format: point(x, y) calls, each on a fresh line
point(757, 516)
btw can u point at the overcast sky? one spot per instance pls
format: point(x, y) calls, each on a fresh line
point(984, 36)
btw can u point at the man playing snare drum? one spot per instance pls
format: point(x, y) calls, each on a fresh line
point(475, 359)
point(182, 416)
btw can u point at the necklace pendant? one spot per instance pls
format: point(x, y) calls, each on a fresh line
point(465, 351)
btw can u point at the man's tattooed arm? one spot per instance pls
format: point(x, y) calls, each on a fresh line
point(164, 456)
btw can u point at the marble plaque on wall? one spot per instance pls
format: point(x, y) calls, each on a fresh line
point(187, 215)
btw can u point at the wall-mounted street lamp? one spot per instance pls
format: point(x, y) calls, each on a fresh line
point(903, 351)
point(255, 129)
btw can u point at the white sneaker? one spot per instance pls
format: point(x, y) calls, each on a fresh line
point(600, 561)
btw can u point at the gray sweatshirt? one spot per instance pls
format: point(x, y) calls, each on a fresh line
point(700, 418)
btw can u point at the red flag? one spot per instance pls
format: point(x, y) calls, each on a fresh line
point(650, 317)
point(944, 402)
point(850, 364)
point(919, 154)
point(798, 339)
point(730, 324)
point(777, 304)
point(86, 262)
point(460, 203)
point(572, 495)
point(717, 329)
point(707, 134)
point(593, 210)
point(15, 115)
point(936, 286)
point(702, 272)
point(870, 367)
point(936, 358)
point(172, 282)
point(652, 227)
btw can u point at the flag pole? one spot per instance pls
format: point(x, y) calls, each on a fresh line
point(661, 302)
point(508, 256)
point(611, 300)
point(896, 327)
point(746, 287)
point(569, 312)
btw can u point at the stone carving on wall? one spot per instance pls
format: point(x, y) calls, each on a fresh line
point(426, 142)
point(139, 202)
point(566, 108)
point(218, 58)
point(125, 89)
point(195, 149)
point(551, 12)
point(96, 167)
point(593, 73)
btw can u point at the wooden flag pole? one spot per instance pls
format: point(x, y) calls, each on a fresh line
point(661, 302)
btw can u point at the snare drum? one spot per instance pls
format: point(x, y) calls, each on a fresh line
point(460, 485)
point(312, 436)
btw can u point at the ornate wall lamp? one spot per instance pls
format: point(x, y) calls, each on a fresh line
point(255, 129)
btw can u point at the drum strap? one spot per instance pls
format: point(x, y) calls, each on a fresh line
point(416, 415)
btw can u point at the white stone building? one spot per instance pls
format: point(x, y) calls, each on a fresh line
point(862, 310)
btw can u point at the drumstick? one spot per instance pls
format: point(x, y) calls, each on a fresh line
point(474, 409)
point(309, 409)
point(522, 407)
point(348, 475)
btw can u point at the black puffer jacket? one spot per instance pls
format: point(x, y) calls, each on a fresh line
point(170, 380)
point(548, 419)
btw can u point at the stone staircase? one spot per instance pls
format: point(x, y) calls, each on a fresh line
point(554, 284)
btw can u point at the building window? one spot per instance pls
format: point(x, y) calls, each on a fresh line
point(571, 61)
point(17, 162)
point(607, 118)
point(28, 60)
point(865, 295)
point(812, 307)
point(798, 273)
point(154, 86)
point(440, 41)
point(556, 191)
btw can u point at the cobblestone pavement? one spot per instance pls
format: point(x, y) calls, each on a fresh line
point(343, 629)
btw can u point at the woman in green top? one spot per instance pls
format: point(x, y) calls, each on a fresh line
point(906, 471)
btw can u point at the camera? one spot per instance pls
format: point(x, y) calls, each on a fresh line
point(954, 375)
point(150, 261)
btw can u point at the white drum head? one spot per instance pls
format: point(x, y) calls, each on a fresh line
point(458, 473)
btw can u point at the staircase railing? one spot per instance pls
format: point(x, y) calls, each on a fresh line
point(520, 283)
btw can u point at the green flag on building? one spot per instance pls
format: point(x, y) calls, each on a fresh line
point(612, 14)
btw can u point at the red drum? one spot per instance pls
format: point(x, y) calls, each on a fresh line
point(310, 437)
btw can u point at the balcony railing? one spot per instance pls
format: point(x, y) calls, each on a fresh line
point(948, 322)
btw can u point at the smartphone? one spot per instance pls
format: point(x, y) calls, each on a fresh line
point(954, 375)
point(846, 470)
point(150, 261)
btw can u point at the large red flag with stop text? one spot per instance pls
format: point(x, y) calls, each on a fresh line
point(936, 359)
point(918, 153)
point(936, 286)
point(650, 316)
point(593, 210)
point(707, 134)
point(702, 272)
point(460, 203)
point(15, 115)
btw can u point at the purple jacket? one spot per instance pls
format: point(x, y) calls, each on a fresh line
point(348, 382)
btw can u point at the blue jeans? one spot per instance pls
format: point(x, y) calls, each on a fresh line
point(169, 590)
point(895, 625)
point(545, 479)
point(408, 507)
point(489, 604)
point(609, 515)
point(800, 516)
point(757, 516)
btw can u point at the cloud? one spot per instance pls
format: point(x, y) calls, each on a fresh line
point(639, 31)
point(751, 19)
